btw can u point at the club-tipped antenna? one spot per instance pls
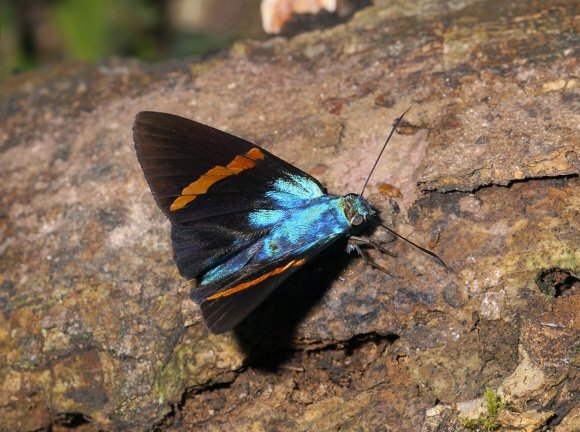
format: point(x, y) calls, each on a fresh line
point(383, 149)
point(421, 248)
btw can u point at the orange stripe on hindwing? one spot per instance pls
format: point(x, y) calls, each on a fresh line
point(214, 175)
point(248, 284)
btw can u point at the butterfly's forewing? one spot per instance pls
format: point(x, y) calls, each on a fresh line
point(207, 183)
point(175, 153)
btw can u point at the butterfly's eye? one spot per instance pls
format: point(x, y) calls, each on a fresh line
point(357, 220)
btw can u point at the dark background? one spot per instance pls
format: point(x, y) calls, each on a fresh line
point(38, 32)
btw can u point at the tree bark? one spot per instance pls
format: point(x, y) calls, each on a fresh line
point(97, 328)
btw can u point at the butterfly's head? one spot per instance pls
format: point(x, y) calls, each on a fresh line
point(357, 210)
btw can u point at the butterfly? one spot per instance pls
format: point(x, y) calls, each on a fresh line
point(242, 219)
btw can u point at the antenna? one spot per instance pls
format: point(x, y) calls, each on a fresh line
point(397, 122)
point(421, 248)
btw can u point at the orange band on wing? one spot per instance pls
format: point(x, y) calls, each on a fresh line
point(248, 284)
point(214, 175)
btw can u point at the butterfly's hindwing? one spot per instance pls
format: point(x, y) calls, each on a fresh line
point(229, 291)
point(227, 302)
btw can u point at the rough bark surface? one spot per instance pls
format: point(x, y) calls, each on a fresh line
point(97, 330)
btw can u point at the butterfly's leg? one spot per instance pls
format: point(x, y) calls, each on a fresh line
point(371, 243)
point(369, 261)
